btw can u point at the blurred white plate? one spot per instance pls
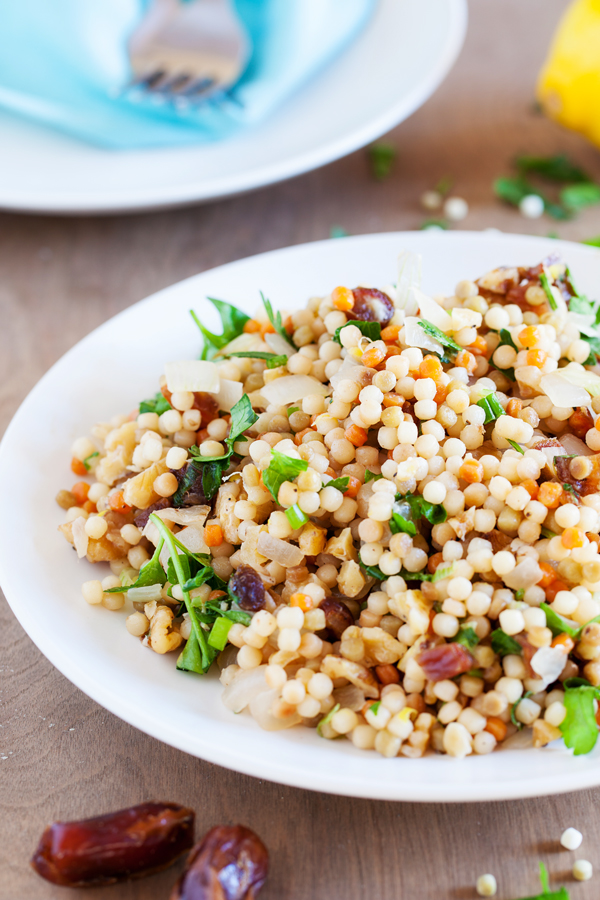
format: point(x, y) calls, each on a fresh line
point(384, 76)
point(42, 577)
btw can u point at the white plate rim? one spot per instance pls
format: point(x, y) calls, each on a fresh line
point(573, 778)
point(238, 183)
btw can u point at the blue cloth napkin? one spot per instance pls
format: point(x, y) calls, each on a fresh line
point(64, 63)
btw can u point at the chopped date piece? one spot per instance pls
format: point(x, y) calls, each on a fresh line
point(141, 520)
point(581, 421)
point(445, 661)
point(337, 618)
point(583, 486)
point(208, 406)
point(230, 863)
point(129, 843)
point(371, 305)
point(247, 586)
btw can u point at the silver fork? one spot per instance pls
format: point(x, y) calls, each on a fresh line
point(185, 52)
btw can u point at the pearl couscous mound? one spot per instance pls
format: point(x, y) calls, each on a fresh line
point(378, 516)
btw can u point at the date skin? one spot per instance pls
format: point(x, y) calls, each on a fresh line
point(129, 843)
point(445, 661)
point(229, 863)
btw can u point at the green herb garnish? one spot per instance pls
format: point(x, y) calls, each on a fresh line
point(579, 727)
point(440, 573)
point(492, 407)
point(327, 719)
point(467, 636)
point(371, 330)
point(233, 321)
point(275, 320)
point(408, 510)
point(281, 468)
point(86, 461)
point(545, 283)
point(513, 710)
point(504, 645)
point(156, 404)
point(577, 196)
point(336, 231)
point(546, 533)
point(296, 517)
point(559, 625)
point(151, 572)
point(515, 446)
point(381, 160)
point(440, 336)
point(371, 476)
point(555, 168)
point(374, 571)
point(341, 484)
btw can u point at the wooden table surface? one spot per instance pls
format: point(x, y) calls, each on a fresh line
point(61, 755)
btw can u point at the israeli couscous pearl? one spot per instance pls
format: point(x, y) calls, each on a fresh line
point(571, 839)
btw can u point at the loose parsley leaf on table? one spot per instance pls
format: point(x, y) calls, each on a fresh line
point(555, 168)
point(381, 160)
point(157, 404)
point(281, 468)
point(233, 320)
point(372, 330)
point(577, 196)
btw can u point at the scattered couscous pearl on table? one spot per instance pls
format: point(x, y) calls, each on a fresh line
point(388, 507)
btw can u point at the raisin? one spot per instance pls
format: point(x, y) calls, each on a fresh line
point(337, 617)
point(445, 661)
point(371, 305)
point(125, 844)
point(191, 490)
point(141, 520)
point(208, 406)
point(229, 863)
point(247, 586)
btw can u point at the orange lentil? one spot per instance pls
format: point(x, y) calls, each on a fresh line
point(548, 576)
point(373, 356)
point(216, 595)
point(466, 360)
point(572, 537)
point(531, 486)
point(530, 337)
point(213, 535)
point(354, 486)
point(388, 674)
point(289, 325)
point(342, 298)
point(479, 346)
point(434, 561)
point(252, 326)
point(77, 467)
point(553, 589)
point(536, 358)
point(300, 434)
point(550, 494)
point(496, 727)
point(331, 472)
point(390, 332)
point(80, 491)
point(431, 367)
point(89, 506)
point(356, 435)
point(563, 640)
point(267, 328)
point(202, 435)
point(304, 601)
point(391, 350)
point(471, 471)
point(514, 407)
point(442, 392)
point(117, 503)
point(392, 400)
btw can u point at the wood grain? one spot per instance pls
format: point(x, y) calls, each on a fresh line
point(63, 756)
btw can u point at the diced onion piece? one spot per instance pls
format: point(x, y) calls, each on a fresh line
point(583, 322)
point(563, 392)
point(414, 336)
point(576, 374)
point(229, 394)
point(524, 575)
point(432, 311)
point(290, 388)
point(245, 686)
point(192, 515)
point(521, 740)
point(242, 343)
point(278, 344)
point(409, 277)
point(548, 663)
point(192, 375)
point(145, 594)
point(192, 538)
point(574, 446)
point(80, 536)
point(350, 697)
point(260, 710)
point(353, 370)
point(287, 555)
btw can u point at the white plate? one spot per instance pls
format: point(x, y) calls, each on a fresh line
point(384, 76)
point(109, 372)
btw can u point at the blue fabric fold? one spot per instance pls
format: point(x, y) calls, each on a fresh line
point(64, 63)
